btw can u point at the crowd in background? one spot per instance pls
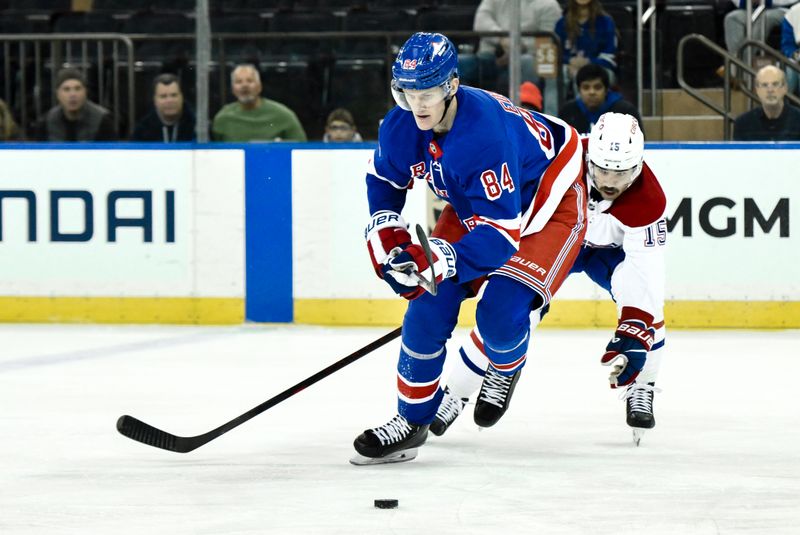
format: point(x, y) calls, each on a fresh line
point(589, 45)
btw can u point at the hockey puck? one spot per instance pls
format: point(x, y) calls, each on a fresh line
point(386, 504)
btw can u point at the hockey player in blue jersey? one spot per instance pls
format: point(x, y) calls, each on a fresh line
point(623, 253)
point(515, 215)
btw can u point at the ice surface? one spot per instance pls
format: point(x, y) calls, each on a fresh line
point(724, 457)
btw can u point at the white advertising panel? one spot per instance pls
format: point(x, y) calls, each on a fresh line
point(125, 223)
point(329, 214)
point(733, 220)
point(734, 226)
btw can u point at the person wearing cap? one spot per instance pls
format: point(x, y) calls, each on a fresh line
point(341, 127)
point(530, 97)
point(75, 118)
point(594, 99)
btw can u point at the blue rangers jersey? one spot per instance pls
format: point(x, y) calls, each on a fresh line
point(503, 169)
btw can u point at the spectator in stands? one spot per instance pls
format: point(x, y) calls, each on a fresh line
point(594, 99)
point(493, 52)
point(774, 120)
point(341, 126)
point(9, 131)
point(735, 24)
point(75, 118)
point(171, 119)
point(588, 35)
point(530, 97)
point(252, 117)
point(790, 46)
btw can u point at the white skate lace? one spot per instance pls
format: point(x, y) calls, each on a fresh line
point(495, 388)
point(640, 397)
point(450, 407)
point(393, 431)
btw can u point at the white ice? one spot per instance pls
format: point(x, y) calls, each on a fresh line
point(723, 459)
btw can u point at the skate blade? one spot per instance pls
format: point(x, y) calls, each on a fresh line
point(397, 457)
point(638, 434)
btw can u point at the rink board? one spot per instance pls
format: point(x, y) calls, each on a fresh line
point(732, 255)
point(259, 232)
point(106, 234)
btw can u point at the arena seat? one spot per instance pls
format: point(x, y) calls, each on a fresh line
point(300, 21)
point(362, 86)
point(373, 20)
point(86, 22)
point(158, 23)
point(238, 50)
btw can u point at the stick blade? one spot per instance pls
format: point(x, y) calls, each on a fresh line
point(140, 431)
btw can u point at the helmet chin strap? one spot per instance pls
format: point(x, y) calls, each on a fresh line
point(447, 102)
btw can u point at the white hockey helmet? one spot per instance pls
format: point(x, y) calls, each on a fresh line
point(616, 149)
point(616, 142)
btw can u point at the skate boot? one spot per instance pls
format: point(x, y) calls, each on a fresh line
point(393, 442)
point(494, 397)
point(447, 412)
point(639, 409)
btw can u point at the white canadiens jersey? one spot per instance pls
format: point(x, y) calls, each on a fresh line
point(636, 222)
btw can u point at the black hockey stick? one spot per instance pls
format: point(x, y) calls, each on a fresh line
point(147, 434)
point(429, 285)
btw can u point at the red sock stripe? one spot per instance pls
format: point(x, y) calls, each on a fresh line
point(477, 341)
point(412, 391)
point(510, 366)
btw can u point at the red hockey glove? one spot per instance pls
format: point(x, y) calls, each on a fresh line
point(628, 349)
point(386, 231)
point(401, 271)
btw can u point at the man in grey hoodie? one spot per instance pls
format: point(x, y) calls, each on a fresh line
point(75, 118)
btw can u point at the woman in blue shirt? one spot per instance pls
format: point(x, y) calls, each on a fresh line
point(588, 35)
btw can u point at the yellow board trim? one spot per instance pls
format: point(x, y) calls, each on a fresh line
point(230, 311)
point(566, 313)
point(178, 310)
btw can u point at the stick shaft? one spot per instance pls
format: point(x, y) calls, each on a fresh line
point(140, 431)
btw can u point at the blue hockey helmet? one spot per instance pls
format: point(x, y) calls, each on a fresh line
point(426, 60)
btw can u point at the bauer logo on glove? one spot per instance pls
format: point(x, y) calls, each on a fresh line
point(385, 232)
point(403, 270)
point(627, 350)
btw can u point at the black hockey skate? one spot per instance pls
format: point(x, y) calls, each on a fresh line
point(394, 442)
point(495, 396)
point(639, 409)
point(449, 409)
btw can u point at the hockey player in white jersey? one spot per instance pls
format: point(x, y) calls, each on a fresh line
point(623, 252)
